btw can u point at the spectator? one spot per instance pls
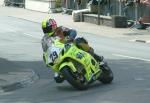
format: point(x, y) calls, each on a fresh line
point(77, 4)
point(127, 4)
point(146, 16)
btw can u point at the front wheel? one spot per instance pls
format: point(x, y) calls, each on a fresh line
point(107, 74)
point(77, 82)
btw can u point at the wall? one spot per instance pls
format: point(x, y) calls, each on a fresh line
point(93, 18)
point(38, 5)
point(1, 2)
point(130, 11)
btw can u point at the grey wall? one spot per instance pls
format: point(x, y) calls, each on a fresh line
point(1, 2)
point(114, 9)
point(39, 5)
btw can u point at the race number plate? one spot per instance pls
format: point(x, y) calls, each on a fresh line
point(53, 53)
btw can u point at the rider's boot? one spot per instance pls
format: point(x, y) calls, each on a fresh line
point(97, 57)
point(58, 78)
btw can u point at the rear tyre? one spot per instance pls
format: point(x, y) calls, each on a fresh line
point(107, 75)
point(72, 79)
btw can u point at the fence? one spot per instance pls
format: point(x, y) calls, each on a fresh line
point(114, 7)
point(19, 3)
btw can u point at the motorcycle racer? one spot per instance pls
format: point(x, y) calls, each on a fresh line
point(50, 30)
point(65, 35)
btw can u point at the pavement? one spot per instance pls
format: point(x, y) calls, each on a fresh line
point(18, 78)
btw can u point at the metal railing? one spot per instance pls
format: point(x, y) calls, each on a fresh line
point(16, 3)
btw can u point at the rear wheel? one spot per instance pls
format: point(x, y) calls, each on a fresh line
point(76, 80)
point(107, 74)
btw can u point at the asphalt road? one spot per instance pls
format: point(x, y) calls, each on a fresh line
point(130, 62)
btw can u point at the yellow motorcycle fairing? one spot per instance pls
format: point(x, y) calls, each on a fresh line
point(71, 53)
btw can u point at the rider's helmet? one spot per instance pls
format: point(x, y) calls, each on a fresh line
point(49, 26)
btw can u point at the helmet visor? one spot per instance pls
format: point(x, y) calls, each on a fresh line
point(47, 29)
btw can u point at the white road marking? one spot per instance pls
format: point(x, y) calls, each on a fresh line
point(131, 57)
point(148, 41)
point(139, 78)
point(10, 30)
point(133, 40)
point(147, 89)
point(32, 36)
point(5, 93)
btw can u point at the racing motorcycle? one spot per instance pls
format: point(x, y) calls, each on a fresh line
point(76, 66)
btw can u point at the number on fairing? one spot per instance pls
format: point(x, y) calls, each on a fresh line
point(53, 56)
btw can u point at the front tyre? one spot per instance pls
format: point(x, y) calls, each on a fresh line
point(107, 75)
point(73, 79)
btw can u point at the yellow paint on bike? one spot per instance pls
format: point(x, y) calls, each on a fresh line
point(57, 43)
point(92, 69)
point(45, 57)
point(69, 64)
